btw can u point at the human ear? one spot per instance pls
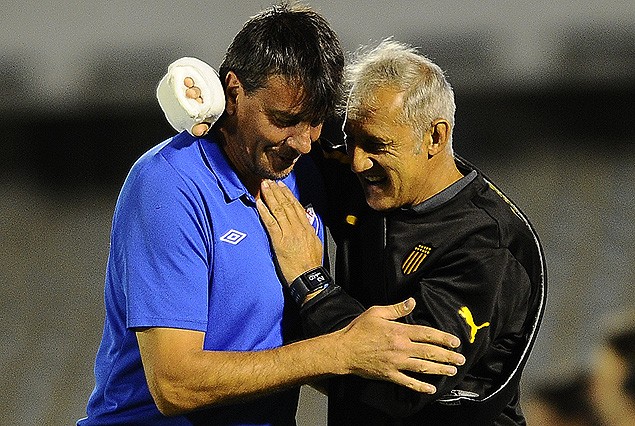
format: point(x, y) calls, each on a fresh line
point(440, 135)
point(233, 87)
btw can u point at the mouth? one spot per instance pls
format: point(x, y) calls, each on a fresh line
point(372, 179)
point(285, 159)
point(289, 158)
point(378, 189)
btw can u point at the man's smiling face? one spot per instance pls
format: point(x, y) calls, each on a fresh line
point(270, 131)
point(387, 155)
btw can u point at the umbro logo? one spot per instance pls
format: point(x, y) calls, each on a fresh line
point(233, 237)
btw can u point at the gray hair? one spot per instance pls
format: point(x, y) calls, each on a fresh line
point(427, 93)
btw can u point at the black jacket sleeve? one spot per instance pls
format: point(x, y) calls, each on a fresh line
point(330, 313)
point(492, 285)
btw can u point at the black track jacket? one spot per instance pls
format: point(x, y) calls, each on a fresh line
point(476, 269)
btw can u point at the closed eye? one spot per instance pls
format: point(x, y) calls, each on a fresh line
point(284, 122)
point(374, 146)
point(283, 119)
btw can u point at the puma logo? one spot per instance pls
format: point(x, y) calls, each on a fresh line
point(465, 313)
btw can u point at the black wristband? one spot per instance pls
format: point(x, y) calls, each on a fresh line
point(309, 282)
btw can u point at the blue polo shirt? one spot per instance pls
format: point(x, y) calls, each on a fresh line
point(188, 250)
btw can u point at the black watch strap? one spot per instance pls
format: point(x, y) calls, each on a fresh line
point(309, 282)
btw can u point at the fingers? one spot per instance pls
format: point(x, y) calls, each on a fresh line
point(192, 92)
point(200, 129)
point(424, 334)
point(268, 220)
point(293, 208)
point(402, 379)
point(294, 240)
point(283, 205)
point(425, 366)
point(416, 333)
point(396, 311)
point(434, 358)
point(427, 347)
point(274, 199)
point(280, 212)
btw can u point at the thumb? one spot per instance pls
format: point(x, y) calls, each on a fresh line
point(200, 129)
point(398, 310)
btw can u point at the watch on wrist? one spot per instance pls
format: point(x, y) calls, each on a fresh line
point(309, 282)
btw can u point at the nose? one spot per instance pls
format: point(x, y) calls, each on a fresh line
point(360, 161)
point(303, 136)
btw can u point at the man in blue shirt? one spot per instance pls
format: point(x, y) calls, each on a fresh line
point(197, 328)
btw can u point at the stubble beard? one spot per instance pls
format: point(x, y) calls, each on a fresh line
point(264, 169)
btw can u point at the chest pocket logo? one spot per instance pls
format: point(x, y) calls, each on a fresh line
point(415, 258)
point(313, 218)
point(467, 315)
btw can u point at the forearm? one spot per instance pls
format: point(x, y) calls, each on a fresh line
point(186, 381)
point(337, 311)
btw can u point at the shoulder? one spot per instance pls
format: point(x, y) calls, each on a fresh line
point(163, 174)
point(176, 154)
point(168, 165)
point(511, 223)
point(497, 228)
point(493, 205)
point(480, 220)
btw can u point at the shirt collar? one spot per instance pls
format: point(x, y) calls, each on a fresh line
point(445, 195)
point(221, 168)
point(226, 176)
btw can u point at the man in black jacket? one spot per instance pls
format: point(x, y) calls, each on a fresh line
point(437, 230)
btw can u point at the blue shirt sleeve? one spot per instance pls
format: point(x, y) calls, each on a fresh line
point(162, 248)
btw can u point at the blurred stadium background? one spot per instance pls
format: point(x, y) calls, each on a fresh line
point(544, 93)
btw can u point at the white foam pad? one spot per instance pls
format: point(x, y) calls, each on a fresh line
point(183, 112)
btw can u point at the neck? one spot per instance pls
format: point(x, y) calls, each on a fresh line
point(443, 173)
point(229, 144)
